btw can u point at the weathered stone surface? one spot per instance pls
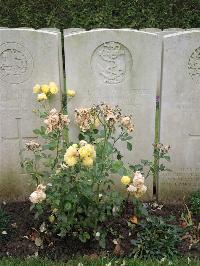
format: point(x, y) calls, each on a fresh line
point(170, 31)
point(70, 31)
point(161, 34)
point(27, 57)
point(174, 29)
point(119, 67)
point(60, 59)
point(180, 114)
point(152, 30)
point(192, 29)
point(51, 29)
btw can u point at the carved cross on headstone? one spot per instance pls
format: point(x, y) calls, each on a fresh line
point(196, 136)
point(19, 137)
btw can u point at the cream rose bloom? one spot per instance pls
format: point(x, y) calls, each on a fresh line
point(71, 93)
point(41, 97)
point(87, 161)
point(138, 179)
point(36, 88)
point(83, 143)
point(38, 195)
point(70, 160)
point(131, 188)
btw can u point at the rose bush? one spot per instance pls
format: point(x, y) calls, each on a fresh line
point(74, 179)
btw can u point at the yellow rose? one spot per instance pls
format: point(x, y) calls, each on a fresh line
point(45, 88)
point(83, 151)
point(91, 150)
point(36, 88)
point(70, 160)
point(71, 93)
point(41, 97)
point(75, 146)
point(97, 123)
point(125, 180)
point(87, 161)
point(52, 84)
point(72, 151)
point(87, 151)
point(54, 89)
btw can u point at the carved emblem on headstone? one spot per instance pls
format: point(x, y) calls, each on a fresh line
point(111, 62)
point(16, 63)
point(194, 65)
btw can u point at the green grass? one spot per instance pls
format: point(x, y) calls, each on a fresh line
point(99, 262)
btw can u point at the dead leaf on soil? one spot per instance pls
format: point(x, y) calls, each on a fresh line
point(133, 219)
point(118, 250)
point(38, 242)
point(14, 225)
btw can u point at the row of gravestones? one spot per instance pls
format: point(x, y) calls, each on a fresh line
point(124, 67)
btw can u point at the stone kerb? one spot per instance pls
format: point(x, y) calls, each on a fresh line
point(27, 57)
point(180, 113)
point(120, 67)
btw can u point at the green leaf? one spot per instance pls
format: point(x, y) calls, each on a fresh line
point(126, 137)
point(167, 158)
point(116, 165)
point(84, 237)
point(145, 162)
point(162, 167)
point(50, 146)
point(137, 167)
point(102, 243)
point(129, 146)
point(122, 171)
point(36, 131)
point(68, 206)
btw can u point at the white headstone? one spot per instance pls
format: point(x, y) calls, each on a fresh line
point(27, 57)
point(193, 29)
point(61, 72)
point(152, 30)
point(161, 35)
point(170, 31)
point(180, 115)
point(70, 31)
point(174, 29)
point(51, 29)
point(119, 67)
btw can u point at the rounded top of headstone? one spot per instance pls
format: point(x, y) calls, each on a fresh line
point(152, 30)
point(192, 29)
point(70, 31)
point(128, 29)
point(50, 29)
point(173, 29)
point(100, 29)
point(25, 28)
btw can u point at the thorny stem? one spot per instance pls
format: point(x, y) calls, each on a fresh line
point(36, 171)
point(148, 174)
point(121, 134)
point(57, 150)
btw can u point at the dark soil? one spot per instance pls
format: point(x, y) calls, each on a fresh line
point(21, 236)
